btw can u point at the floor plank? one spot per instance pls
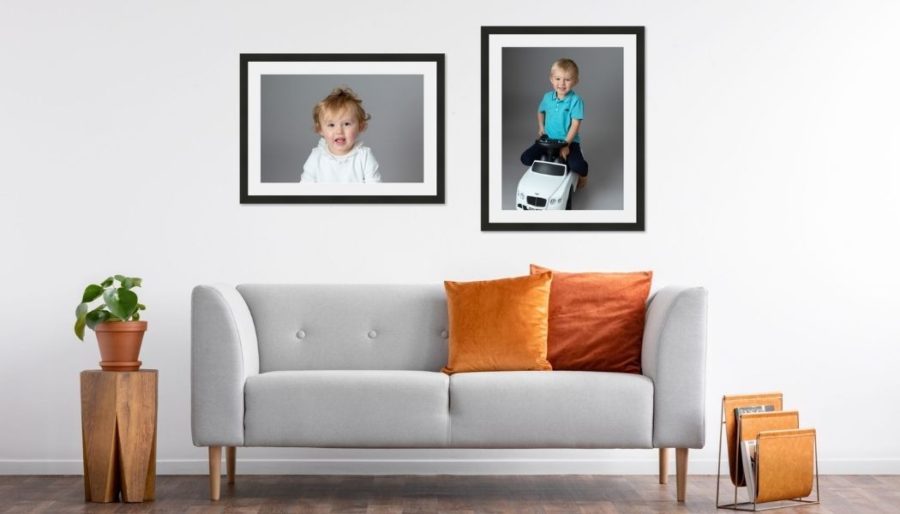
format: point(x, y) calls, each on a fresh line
point(429, 494)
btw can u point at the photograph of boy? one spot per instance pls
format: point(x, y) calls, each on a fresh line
point(574, 94)
point(559, 116)
point(317, 128)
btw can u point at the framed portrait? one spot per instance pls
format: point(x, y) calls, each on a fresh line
point(562, 124)
point(342, 128)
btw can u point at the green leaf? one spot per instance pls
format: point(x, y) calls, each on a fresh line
point(142, 307)
point(136, 316)
point(120, 278)
point(121, 302)
point(91, 293)
point(79, 327)
point(127, 283)
point(81, 310)
point(137, 281)
point(98, 315)
point(108, 282)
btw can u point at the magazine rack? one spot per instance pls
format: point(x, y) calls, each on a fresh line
point(787, 464)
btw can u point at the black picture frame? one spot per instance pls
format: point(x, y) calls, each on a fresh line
point(497, 42)
point(255, 190)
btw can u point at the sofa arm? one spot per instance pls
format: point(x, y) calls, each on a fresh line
point(674, 357)
point(224, 353)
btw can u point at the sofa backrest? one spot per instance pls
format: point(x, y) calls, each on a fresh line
point(306, 327)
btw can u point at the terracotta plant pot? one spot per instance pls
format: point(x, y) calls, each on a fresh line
point(120, 344)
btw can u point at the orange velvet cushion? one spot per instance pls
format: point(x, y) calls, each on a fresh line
point(597, 320)
point(498, 325)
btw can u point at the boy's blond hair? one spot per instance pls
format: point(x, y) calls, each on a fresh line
point(566, 65)
point(339, 99)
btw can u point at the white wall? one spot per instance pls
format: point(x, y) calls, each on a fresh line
point(772, 151)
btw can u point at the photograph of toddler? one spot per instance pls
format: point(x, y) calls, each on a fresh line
point(376, 134)
point(575, 94)
point(559, 116)
point(584, 86)
point(340, 157)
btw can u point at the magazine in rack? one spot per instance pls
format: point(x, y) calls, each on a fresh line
point(748, 457)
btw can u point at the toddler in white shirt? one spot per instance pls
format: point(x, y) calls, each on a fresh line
point(339, 157)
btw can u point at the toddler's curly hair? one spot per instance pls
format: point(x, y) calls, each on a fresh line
point(341, 98)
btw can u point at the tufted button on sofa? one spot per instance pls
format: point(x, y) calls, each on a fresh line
point(358, 366)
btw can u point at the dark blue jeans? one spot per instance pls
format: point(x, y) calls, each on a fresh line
point(575, 161)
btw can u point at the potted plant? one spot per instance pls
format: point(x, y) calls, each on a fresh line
point(116, 321)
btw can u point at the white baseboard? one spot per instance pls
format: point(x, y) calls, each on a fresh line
point(439, 467)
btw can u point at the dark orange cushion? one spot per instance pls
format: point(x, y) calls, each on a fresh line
point(498, 325)
point(597, 320)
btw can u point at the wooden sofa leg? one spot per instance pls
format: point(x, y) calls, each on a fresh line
point(215, 471)
point(230, 453)
point(663, 465)
point(681, 465)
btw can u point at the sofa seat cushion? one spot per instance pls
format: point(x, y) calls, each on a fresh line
point(347, 409)
point(559, 409)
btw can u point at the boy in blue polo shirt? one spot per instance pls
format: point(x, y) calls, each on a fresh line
point(559, 116)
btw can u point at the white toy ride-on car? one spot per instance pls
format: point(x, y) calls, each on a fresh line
point(547, 184)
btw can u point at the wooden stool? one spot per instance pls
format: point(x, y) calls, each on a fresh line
point(118, 433)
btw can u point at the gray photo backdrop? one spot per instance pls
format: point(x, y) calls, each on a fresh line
point(526, 73)
point(395, 132)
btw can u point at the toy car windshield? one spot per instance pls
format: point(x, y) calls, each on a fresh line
point(546, 168)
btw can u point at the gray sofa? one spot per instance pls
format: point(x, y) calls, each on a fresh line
point(358, 366)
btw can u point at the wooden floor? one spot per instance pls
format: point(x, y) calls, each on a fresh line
point(426, 494)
